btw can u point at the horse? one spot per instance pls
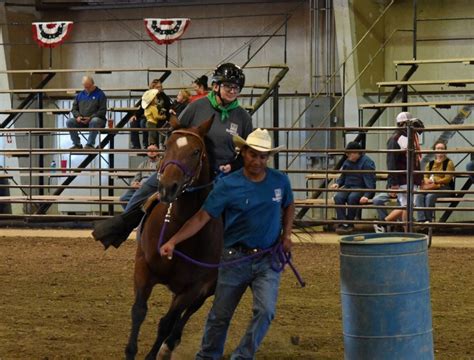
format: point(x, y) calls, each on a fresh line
point(185, 164)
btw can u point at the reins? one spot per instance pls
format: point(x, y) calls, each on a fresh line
point(280, 258)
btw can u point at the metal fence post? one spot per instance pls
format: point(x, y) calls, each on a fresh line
point(410, 183)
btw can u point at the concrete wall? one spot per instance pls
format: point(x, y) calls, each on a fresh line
point(140, 52)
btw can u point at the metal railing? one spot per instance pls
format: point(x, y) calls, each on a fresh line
point(110, 181)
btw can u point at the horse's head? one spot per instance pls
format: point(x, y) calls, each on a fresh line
point(182, 161)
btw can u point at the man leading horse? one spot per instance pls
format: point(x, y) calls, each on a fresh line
point(229, 119)
point(257, 206)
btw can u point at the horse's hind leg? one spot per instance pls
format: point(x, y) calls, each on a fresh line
point(143, 288)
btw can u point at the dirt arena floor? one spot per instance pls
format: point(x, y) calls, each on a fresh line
point(65, 298)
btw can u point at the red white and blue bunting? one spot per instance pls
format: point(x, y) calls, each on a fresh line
point(166, 31)
point(51, 34)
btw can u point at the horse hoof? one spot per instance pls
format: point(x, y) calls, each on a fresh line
point(164, 353)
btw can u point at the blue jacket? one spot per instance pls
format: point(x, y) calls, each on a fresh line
point(358, 180)
point(92, 104)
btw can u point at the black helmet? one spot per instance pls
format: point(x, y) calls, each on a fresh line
point(229, 73)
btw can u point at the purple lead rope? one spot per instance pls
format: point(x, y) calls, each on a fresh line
point(280, 258)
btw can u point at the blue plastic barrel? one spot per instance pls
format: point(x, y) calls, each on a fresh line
point(385, 295)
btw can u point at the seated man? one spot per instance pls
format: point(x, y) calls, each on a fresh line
point(355, 161)
point(89, 110)
point(149, 167)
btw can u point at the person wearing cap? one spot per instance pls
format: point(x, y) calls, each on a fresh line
point(89, 110)
point(257, 205)
point(229, 119)
point(397, 160)
point(356, 161)
point(154, 113)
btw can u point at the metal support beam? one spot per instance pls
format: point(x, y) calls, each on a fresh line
point(27, 101)
point(276, 123)
point(448, 213)
point(40, 118)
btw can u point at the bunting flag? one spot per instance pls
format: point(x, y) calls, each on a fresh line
point(166, 31)
point(51, 34)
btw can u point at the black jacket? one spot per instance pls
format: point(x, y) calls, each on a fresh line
point(398, 160)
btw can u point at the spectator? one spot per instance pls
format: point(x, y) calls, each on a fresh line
point(138, 120)
point(200, 87)
point(148, 167)
point(89, 110)
point(383, 199)
point(397, 160)
point(355, 161)
point(154, 113)
point(182, 100)
point(435, 181)
point(470, 167)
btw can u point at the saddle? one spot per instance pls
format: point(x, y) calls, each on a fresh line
point(151, 202)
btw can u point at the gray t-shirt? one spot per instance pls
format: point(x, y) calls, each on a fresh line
point(220, 145)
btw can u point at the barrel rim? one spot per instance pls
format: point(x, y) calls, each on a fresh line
point(372, 237)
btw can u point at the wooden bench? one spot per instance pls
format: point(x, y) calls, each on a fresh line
point(60, 111)
point(332, 176)
point(433, 104)
point(64, 199)
point(454, 199)
point(453, 83)
point(465, 61)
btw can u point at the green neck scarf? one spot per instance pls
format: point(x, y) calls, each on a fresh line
point(224, 110)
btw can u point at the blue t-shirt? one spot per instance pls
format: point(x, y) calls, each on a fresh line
point(252, 210)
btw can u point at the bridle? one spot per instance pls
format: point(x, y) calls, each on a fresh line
point(190, 174)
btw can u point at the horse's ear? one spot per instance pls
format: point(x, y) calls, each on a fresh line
point(175, 125)
point(204, 128)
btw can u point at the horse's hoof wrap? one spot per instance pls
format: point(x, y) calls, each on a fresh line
point(164, 353)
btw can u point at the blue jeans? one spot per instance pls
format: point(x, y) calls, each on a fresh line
point(470, 167)
point(126, 196)
point(148, 188)
point(94, 123)
point(232, 282)
point(139, 123)
point(351, 198)
point(381, 200)
point(428, 200)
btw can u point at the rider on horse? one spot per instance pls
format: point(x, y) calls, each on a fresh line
point(230, 119)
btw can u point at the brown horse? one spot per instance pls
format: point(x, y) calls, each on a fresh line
point(185, 163)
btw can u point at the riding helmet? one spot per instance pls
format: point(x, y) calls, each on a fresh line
point(229, 73)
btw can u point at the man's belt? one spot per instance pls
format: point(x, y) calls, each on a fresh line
point(244, 249)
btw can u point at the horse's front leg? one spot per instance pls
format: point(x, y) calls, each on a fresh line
point(165, 326)
point(143, 288)
point(174, 338)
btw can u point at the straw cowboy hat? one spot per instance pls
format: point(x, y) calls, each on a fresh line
point(148, 97)
point(259, 140)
